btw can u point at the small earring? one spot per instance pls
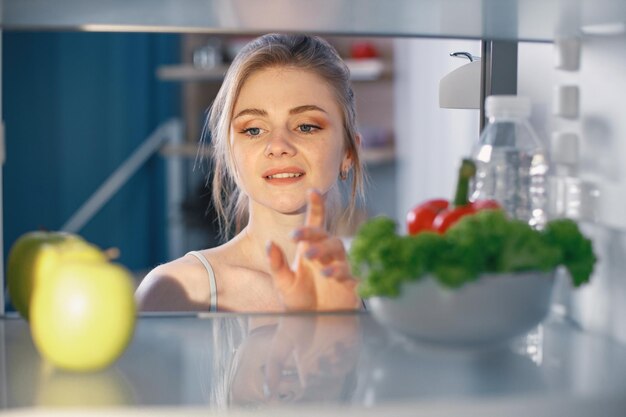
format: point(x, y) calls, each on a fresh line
point(343, 175)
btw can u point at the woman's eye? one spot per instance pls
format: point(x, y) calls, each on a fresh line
point(306, 128)
point(252, 131)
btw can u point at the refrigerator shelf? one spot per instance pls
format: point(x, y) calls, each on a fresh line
point(523, 20)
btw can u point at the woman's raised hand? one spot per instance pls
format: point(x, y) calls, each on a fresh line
point(321, 278)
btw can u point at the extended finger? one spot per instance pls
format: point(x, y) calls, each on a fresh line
point(326, 251)
point(296, 289)
point(315, 210)
point(282, 275)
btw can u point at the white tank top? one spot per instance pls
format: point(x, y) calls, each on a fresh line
point(212, 284)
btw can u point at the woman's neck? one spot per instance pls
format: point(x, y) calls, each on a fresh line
point(264, 226)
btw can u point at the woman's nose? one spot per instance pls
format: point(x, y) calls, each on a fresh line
point(279, 145)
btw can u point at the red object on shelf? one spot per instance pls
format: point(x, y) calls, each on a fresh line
point(363, 50)
point(438, 215)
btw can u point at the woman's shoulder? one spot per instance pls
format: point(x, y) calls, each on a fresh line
point(179, 285)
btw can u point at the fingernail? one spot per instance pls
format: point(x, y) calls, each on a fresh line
point(268, 247)
point(311, 252)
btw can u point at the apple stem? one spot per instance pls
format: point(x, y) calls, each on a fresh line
point(112, 253)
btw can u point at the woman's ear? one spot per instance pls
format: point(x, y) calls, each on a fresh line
point(346, 165)
point(357, 139)
point(348, 159)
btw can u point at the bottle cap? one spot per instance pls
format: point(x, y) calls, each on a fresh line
point(507, 106)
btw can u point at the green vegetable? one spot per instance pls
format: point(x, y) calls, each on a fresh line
point(498, 244)
point(387, 259)
point(577, 250)
point(487, 241)
point(365, 248)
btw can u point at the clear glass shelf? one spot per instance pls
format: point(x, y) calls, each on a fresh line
point(346, 364)
point(523, 20)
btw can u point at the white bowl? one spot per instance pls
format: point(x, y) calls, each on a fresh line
point(490, 311)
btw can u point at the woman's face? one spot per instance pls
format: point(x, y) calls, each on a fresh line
point(286, 137)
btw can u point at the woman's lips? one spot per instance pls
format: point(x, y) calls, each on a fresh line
point(280, 176)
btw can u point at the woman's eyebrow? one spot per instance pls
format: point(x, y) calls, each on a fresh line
point(251, 112)
point(295, 110)
point(307, 107)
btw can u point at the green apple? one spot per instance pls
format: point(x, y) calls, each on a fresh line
point(34, 255)
point(82, 316)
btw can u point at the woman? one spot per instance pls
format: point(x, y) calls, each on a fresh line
point(283, 131)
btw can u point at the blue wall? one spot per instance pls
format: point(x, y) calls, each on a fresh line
point(75, 106)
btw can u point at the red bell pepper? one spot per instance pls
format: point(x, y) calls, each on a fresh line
point(421, 218)
point(438, 215)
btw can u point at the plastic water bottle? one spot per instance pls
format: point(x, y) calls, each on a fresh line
point(511, 161)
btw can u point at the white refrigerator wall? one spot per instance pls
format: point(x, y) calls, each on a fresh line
point(431, 142)
point(599, 306)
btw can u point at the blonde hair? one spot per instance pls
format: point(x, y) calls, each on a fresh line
point(304, 52)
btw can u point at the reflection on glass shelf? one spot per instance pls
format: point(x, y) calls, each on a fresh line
point(346, 363)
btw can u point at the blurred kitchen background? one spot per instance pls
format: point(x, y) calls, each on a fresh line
point(77, 105)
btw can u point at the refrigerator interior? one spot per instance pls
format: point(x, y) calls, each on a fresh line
point(428, 137)
point(431, 141)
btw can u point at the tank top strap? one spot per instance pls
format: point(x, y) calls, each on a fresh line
point(212, 283)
